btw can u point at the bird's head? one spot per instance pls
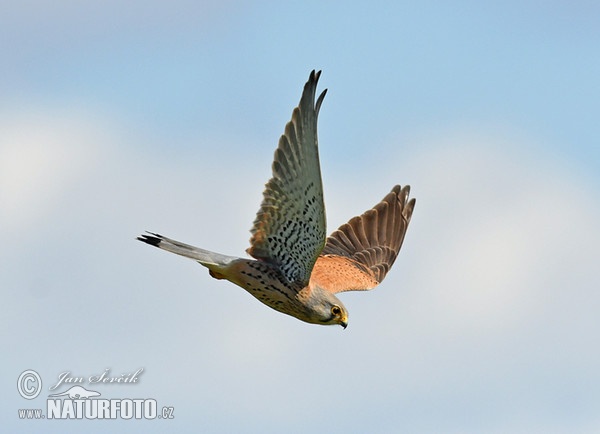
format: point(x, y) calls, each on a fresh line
point(327, 309)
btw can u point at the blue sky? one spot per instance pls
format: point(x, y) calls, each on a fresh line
point(119, 118)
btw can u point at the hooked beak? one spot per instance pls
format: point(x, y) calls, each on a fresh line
point(344, 323)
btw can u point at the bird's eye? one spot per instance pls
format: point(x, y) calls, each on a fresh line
point(336, 310)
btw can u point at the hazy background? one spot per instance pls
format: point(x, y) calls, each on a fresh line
point(119, 117)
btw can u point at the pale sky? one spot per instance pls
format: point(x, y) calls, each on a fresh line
point(117, 119)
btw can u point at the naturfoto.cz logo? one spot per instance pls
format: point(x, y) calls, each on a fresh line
point(79, 402)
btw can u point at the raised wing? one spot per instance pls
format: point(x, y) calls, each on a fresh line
point(289, 229)
point(359, 254)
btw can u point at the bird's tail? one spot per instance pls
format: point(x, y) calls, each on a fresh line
point(213, 261)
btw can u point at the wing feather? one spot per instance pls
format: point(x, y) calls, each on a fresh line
point(360, 253)
point(289, 229)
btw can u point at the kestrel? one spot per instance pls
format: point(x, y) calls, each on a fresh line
point(296, 270)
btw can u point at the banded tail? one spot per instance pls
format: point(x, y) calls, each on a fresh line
point(215, 262)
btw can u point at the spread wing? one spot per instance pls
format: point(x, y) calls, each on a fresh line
point(359, 254)
point(289, 229)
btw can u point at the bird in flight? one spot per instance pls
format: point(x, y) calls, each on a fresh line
point(297, 269)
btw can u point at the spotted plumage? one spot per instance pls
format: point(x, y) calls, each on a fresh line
point(296, 269)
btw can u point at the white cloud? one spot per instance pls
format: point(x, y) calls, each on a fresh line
point(41, 154)
point(494, 222)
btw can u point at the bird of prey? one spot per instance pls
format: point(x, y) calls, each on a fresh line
point(296, 269)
